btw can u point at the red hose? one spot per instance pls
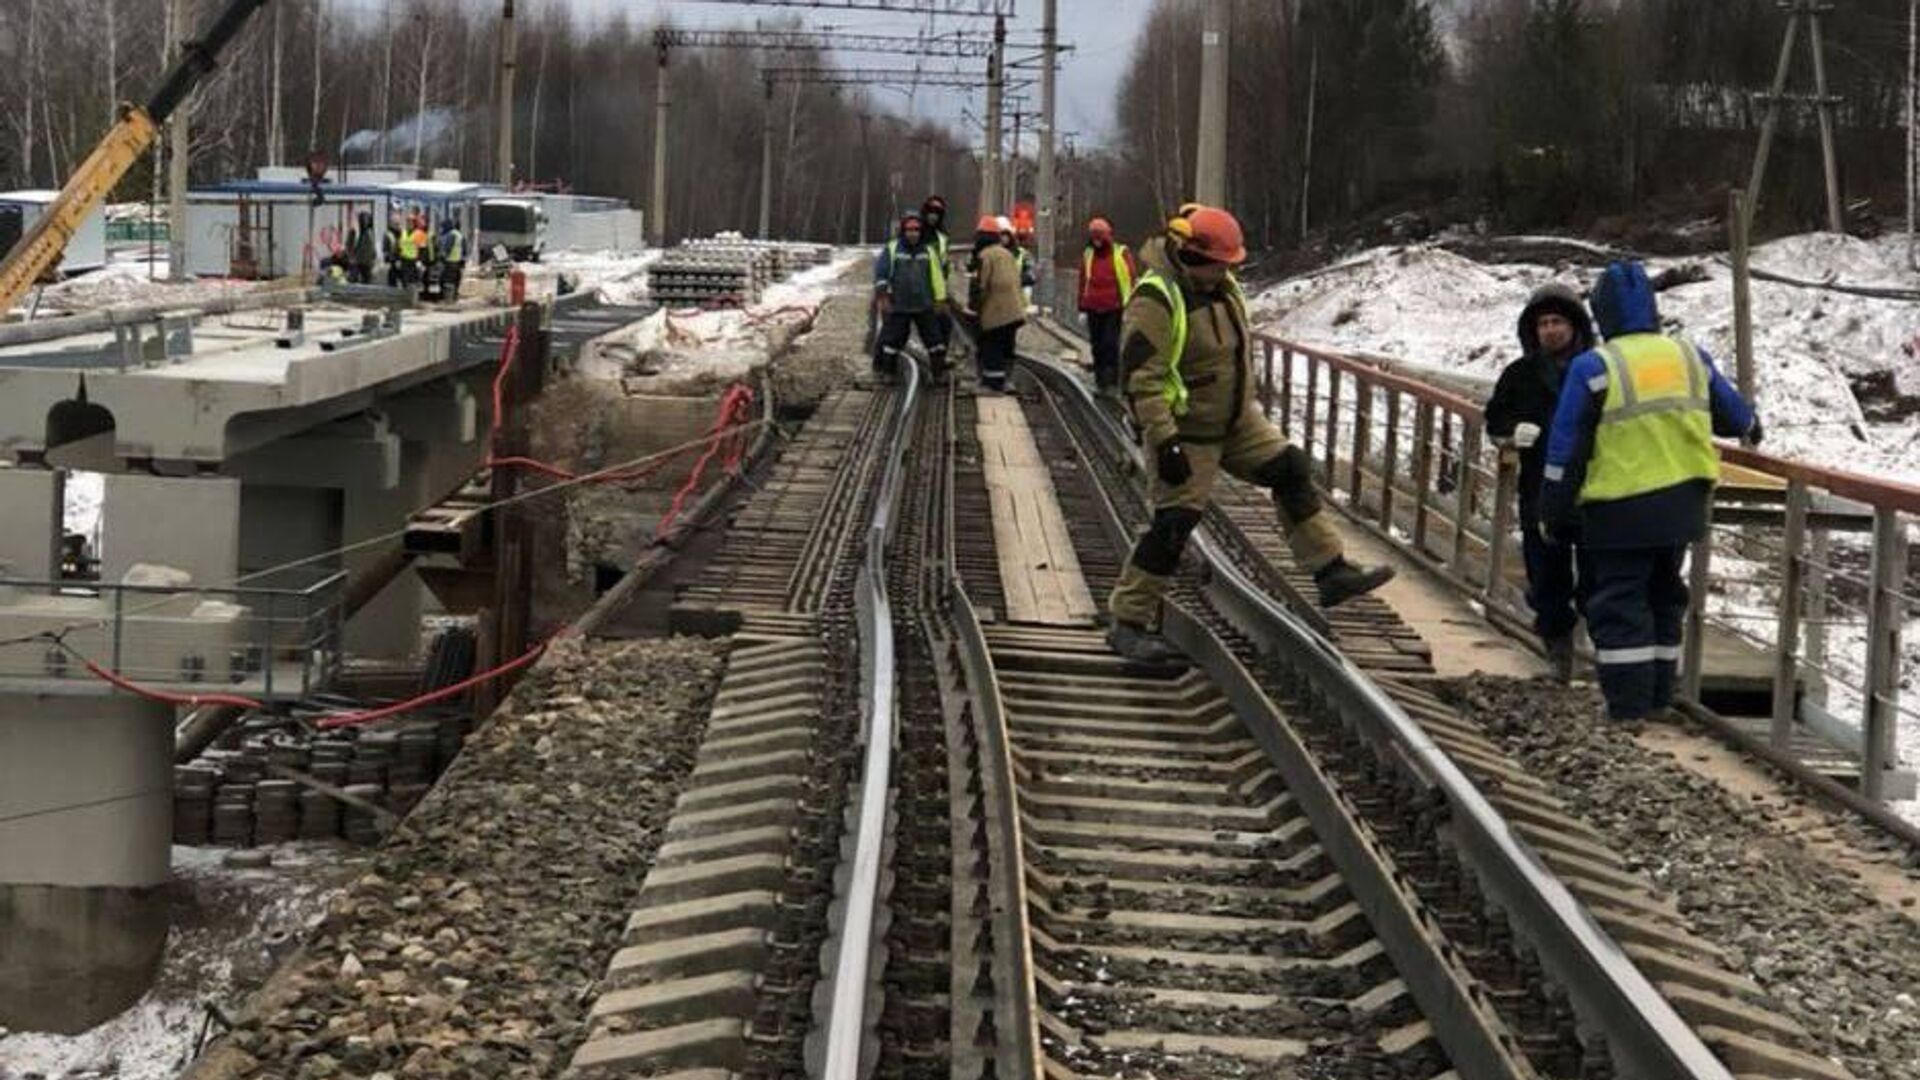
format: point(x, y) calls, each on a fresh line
point(736, 408)
point(189, 700)
point(353, 719)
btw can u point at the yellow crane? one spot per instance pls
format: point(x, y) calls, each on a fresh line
point(39, 250)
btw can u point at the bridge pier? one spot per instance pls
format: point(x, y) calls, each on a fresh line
point(86, 819)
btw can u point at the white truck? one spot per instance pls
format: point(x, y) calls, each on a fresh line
point(512, 228)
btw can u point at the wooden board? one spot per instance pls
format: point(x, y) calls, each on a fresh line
point(1039, 572)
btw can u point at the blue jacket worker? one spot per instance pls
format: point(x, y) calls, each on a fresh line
point(910, 291)
point(1631, 466)
point(1554, 328)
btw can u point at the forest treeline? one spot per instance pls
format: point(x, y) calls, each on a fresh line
point(1529, 113)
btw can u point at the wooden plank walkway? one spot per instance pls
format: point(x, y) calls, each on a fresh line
point(1039, 572)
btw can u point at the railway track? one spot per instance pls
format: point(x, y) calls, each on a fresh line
point(927, 838)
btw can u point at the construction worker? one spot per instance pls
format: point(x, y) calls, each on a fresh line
point(1107, 274)
point(396, 241)
point(452, 252)
point(405, 269)
point(994, 301)
point(1187, 355)
point(1554, 328)
point(363, 250)
point(1631, 466)
point(1023, 251)
point(422, 247)
point(933, 218)
point(910, 292)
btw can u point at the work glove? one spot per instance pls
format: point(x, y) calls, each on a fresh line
point(1525, 436)
point(1753, 435)
point(1174, 467)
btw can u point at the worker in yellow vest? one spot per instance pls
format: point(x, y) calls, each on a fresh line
point(910, 295)
point(1186, 353)
point(1107, 273)
point(1630, 471)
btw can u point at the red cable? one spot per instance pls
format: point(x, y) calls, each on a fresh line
point(353, 719)
point(735, 408)
point(189, 700)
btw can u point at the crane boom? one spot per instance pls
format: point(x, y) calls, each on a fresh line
point(130, 137)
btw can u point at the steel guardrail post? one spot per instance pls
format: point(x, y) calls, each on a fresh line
point(1390, 459)
point(1506, 483)
point(1883, 651)
point(1786, 639)
point(1699, 576)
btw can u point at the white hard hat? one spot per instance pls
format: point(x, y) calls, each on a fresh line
point(1005, 223)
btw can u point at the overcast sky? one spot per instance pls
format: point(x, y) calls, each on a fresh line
point(1102, 32)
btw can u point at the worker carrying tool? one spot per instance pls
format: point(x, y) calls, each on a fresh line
point(1630, 470)
point(1107, 273)
point(1554, 328)
point(1187, 360)
point(910, 292)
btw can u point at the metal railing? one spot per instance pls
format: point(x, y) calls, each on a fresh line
point(1412, 463)
point(279, 639)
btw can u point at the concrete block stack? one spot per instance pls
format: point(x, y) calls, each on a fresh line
point(727, 270)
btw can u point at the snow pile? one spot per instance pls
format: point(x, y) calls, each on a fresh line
point(671, 346)
point(618, 277)
point(231, 927)
point(1811, 347)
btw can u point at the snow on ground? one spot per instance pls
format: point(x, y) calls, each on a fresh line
point(673, 345)
point(1429, 306)
point(231, 928)
point(620, 277)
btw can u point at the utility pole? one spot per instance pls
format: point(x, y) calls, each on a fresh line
point(996, 85)
point(509, 56)
point(1306, 168)
point(1739, 221)
point(1810, 11)
point(178, 148)
point(1045, 219)
point(1210, 167)
point(1913, 115)
point(866, 170)
point(1012, 191)
point(662, 110)
point(766, 161)
point(276, 132)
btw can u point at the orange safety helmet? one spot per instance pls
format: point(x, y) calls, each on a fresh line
point(1215, 234)
point(988, 223)
point(1100, 228)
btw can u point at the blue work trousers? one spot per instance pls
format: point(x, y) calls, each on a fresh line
point(1636, 607)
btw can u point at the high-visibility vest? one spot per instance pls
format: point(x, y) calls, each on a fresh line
point(1656, 425)
point(1121, 271)
point(936, 270)
point(456, 246)
point(1174, 387)
point(409, 247)
point(940, 247)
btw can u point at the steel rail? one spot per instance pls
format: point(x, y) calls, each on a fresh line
point(847, 1016)
point(1646, 1038)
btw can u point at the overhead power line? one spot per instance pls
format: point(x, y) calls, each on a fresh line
point(957, 8)
point(952, 44)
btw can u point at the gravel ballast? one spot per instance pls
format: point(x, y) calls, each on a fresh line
point(1843, 965)
point(471, 946)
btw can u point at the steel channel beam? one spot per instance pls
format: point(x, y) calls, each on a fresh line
point(1646, 1037)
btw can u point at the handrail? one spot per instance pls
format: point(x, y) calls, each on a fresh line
point(847, 1008)
point(1648, 1038)
point(1404, 506)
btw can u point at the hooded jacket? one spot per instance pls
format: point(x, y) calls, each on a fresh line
point(1529, 388)
point(996, 287)
point(1217, 365)
point(1623, 305)
point(905, 272)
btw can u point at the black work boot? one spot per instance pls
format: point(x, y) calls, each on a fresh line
point(1143, 645)
point(1340, 581)
point(1560, 656)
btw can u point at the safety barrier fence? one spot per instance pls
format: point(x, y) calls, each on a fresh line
point(1807, 566)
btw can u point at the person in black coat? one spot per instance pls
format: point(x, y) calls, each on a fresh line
point(1554, 328)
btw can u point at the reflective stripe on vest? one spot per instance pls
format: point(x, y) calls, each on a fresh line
point(936, 271)
point(1122, 273)
point(1656, 426)
point(1174, 389)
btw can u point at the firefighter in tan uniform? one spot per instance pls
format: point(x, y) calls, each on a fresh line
point(1187, 357)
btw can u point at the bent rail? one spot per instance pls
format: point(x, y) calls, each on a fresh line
point(847, 1012)
point(1646, 1036)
